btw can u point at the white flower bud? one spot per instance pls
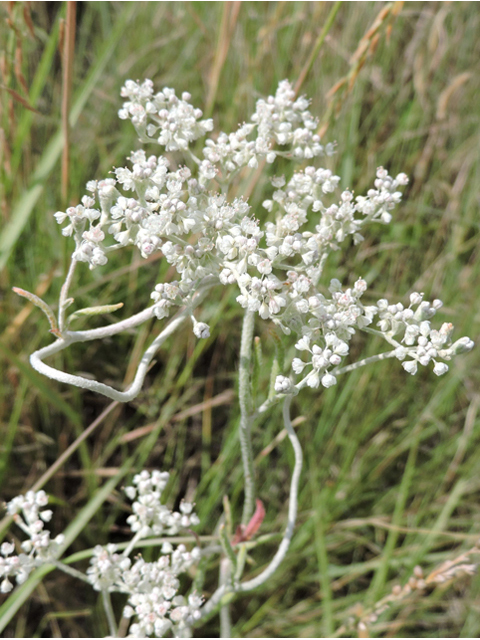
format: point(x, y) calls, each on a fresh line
point(283, 384)
point(463, 345)
point(440, 368)
point(201, 330)
point(410, 366)
point(328, 380)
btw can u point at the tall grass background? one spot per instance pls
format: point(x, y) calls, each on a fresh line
point(391, 477)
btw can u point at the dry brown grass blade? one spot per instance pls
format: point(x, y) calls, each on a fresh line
point(27, 16)
point(226, 397)
point(16, 96)
point(51, 471)
point(18, 68)
point(417, 585)
point(447, 94)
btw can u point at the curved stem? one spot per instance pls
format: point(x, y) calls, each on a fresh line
point(70, 337)
point(292, 505)
point(224, 593)
point(245, 401)
point(36, 360)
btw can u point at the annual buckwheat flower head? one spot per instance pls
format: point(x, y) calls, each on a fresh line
point(179, 207)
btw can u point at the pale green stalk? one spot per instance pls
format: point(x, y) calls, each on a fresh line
point(224, 594)
point(62, 306)
point(245, 402)
point(225, 580)
point(107, 605)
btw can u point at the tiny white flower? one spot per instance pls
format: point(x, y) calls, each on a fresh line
point(410, 366)
point(328, 380)
point(201, 330)
point(440, 368)
point(283, 384)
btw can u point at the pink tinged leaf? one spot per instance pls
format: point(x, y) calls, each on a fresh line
point(254, 525)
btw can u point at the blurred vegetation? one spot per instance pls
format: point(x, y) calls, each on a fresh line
point(391, 475)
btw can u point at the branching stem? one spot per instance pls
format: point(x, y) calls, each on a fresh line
point(107, 605)
point(70, 337)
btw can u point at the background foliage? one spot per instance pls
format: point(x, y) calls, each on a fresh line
point(391, 476)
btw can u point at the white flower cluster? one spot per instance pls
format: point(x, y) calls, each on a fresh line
point(420, 343)
point(150, 517)
point(38, 549)
point(162, 117)
point(408, 329)
point(330, 322)
point(185, 214)
point(152, 587)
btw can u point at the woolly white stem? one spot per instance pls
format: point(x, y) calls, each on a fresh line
point(292, 506)
point(362, 363)
point(70, 337)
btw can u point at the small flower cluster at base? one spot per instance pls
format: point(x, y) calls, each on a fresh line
point(152, 587)
point(38, 549)
point(154, 604)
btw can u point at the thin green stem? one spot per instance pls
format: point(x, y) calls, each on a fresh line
point(225, 580)
point(71, 571)
point(62, 305)
point(107, 605)
point(245, 401)
point(317, 46)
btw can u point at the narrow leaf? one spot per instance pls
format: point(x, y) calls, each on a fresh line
point(41, 304)
point(94, 311)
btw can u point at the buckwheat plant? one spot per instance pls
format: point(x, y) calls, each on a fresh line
point(180, 205)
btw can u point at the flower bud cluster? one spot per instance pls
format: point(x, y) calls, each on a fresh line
point(328, 325)
point(39, 548)
point(152, 588)
point(153, 598)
